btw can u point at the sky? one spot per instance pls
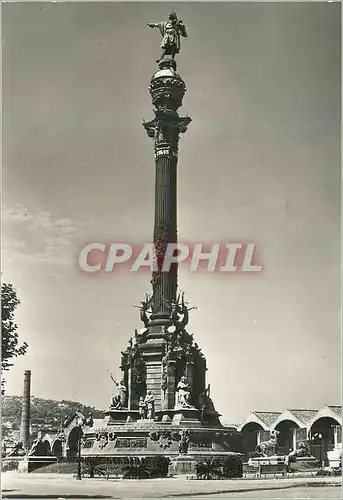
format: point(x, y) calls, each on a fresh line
point(260, 162)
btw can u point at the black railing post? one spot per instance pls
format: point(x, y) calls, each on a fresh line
point(78, 475)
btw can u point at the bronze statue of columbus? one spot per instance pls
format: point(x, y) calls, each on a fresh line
point(171, 31)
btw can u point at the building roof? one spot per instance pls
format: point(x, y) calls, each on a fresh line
point(267, 417)
point(303, 415)
point(336, 409)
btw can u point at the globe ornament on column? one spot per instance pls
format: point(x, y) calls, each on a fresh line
point(167, 90)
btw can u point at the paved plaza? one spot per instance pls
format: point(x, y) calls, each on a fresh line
point(55, 486)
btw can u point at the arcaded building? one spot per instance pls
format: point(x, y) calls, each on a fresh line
point(322, 429)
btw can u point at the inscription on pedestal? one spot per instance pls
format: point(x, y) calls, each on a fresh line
point(131, 443)
point(201, 444)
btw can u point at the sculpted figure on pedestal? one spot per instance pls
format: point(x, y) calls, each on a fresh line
point(183, 393)
point(268, 447)
point(184, 442)
point(142, 408)
point(115, 403)
point(144, 308)
point(167, 356)
point(171, 30)
point(138, 375)
point(119, 400)
point(185, 310)
point(165, 363)
point(35, 446)
point(39, 448)
point(205, 402)
point(179, 317)
point(302, 451)
point(150, 405)
point(17, 450)
point(83, 420)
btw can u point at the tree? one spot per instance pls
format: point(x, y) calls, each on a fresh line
point(209, 468)
point(10, 346)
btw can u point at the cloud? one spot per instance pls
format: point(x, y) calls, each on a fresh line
point(37, 237)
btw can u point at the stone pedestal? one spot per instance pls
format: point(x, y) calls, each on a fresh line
point(32, 463)
point(186, 417)
point(211, 418)
point(335, 458)
point(183, 465)
point(119, 417)
point(23, 465)
point(303, 464)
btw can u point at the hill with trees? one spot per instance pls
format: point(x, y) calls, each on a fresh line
point(46, 414)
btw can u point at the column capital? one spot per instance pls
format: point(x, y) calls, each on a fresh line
point(165, 130)
point(164, 120)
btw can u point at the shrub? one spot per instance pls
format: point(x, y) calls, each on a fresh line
point(215, 468)
point(158, 466)
point(232, 467)
point(148, 467)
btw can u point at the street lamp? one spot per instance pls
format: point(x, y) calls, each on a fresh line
point(78, 474)
point(319, 436)
point(320, 439)
point(81, 422)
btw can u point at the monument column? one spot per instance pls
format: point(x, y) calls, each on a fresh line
point(167, 90)
point(25, 411)
point(165, 226)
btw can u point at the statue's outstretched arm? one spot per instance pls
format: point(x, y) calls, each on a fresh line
point(182, 29)
point(152, 25)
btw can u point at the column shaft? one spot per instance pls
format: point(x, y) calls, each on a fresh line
point(25, 411)
point(165, 231)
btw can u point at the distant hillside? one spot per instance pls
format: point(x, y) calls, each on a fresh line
point(45, 413)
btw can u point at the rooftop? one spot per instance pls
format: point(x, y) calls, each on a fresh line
point(303, 415)
point(336, 409)
point(267, 417)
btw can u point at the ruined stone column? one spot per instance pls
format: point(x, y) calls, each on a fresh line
point(25, 411)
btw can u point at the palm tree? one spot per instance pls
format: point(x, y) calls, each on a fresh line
point(92, 467)
point(136, 470)
point(209, 468)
